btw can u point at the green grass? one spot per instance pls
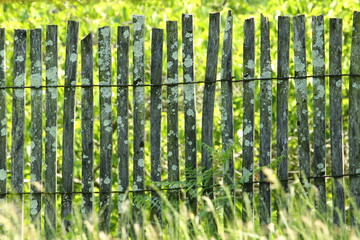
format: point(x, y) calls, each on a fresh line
point(296, 219)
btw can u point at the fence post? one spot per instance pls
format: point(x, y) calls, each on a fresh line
point(3, 131)
point(123, 43)
point(301, 96)
point(208, 113)
point(336, 123)
point(282, 97)
point(139, 116)
point(208, 101)
point(69, 112)
point(227, 120)
point(318, 59)
point(248, 119)
point(105, 127)
point(51, 64)
point(18, 118)
point(189, 109)
point(87, 126)
point(354, 118)
point(172, 108)
point(265, 120)
point(155, 119)
point(36, 127)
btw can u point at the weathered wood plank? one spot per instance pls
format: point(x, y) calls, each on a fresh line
point(265, 120)
point(155, 118)
point(188, 61)
point(208, 113)
point(3, 130)
point(227, 121)
point(301, 95)
point(36, 126)
point(318, 59)
point(248, 117)
point(87, 125)
point(106, 130)
point(139, 112)
point(172, 108)
point(69, 113)
point(336, 123)
point(208, 100)
point(354, 117)
point(51, 65)
point(18, 119)
point(123, 44)
point(282, 99)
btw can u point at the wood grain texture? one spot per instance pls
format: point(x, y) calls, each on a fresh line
point(36, 158)
point(282, 99)
point(301, 95)
point(87, 125)
point(189, 108)
point(336, 121)
point(227, 120)
point(3, 130)
point(208, 100)
point(106, 130)
point(69, 116)
point(318, 59)
point(248, 116)
point(123, 43)
point(172, 66)
point(265, 120)
point(51, 65)
point(18, 119)
point(138, 115)
point(354, 116)
point(157, 38)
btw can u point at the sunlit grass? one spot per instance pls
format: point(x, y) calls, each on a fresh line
point(296, 218)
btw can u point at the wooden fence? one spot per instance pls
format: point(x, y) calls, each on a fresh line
point(44, 161)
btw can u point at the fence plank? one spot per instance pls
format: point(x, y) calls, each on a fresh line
point(36, 126)
point(2, 116)
point(105, 127)
point(227, 120)
point(139, 112)
point(318, 59)
point(337, 164)
point(265, 120)
point(123, 43)
point(189, 108)
point(155, 117)
point(301, 95)
point(51, 64)
point(248, 117)
point(354, 116)
point(208, 100)
point(69, 112)
point(18, 118)
point(282, 99)
point(87, 125)
point(172, 108)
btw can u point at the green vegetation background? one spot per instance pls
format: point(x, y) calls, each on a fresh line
point(95, 14)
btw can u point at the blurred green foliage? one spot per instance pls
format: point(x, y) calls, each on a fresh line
point(95, 14)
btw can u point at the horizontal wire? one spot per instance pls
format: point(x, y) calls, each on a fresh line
point(233, 79)
point(176, 188)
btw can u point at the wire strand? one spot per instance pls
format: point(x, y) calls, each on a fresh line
point(177, 188)
point(233, 80)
